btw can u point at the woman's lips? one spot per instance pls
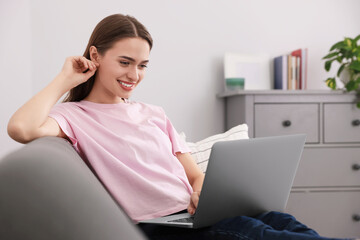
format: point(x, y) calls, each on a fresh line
point(126, 85)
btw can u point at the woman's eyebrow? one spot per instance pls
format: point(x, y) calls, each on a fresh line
point(133, 60)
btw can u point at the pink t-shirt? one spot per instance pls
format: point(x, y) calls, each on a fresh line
point(131, 147)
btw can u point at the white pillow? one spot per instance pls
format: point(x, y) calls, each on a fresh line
point(201, 150)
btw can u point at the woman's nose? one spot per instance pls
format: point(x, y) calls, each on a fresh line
point(133, 74)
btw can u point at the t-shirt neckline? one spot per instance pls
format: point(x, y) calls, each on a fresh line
point(104, 105)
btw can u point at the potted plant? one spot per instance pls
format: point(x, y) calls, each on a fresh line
point(347, 54)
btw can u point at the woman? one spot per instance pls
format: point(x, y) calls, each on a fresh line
point(131, 146)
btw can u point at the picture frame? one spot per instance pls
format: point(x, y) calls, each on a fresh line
point(247, 72)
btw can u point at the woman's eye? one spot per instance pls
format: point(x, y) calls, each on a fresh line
point(143, 66)
point(124, 63)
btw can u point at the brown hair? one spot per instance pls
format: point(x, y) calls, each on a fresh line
point(106, 33)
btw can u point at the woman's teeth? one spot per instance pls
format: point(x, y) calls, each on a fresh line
point(125, 84)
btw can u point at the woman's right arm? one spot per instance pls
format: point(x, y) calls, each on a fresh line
point(31, 121)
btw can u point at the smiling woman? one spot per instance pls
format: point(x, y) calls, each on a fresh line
point(123, 141)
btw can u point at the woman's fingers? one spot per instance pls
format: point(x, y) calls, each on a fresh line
point(91, 71)
point(194, 201)
point(191, 211)
point(93, 65)
point(77, 69)
point(77, 64)
point(191, 208)
point(87, 66)
point(195, 198)
point(83, 64)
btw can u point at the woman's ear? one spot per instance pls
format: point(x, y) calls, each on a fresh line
point(94, 55)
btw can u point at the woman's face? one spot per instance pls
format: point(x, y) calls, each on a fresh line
point(120, 70)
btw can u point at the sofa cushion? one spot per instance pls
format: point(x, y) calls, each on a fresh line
point(201, 150)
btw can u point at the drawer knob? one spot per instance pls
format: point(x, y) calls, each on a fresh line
point(286, 123)
point(356, 122)
point(356, 217)
point(356, 167)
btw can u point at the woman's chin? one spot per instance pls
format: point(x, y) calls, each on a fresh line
point(125, 96)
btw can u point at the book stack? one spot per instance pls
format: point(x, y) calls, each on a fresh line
point(290, 70)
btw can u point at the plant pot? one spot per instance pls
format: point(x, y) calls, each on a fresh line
point(345, 76)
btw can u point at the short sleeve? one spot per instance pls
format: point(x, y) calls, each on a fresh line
point(58, 113)
point(178, 144)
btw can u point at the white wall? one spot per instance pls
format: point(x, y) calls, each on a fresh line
point(191, 36)
point(15, 64)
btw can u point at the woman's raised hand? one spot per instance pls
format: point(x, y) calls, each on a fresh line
point(77, 70)
point(31, 121)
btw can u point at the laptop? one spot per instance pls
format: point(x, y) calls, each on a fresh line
point(244, 177)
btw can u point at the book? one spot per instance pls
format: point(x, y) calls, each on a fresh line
point(297, 54)
point(280, 72)
point(298, 73)
point(302, 68)
point(289, 72)
point(293, 73)
point(304, 64)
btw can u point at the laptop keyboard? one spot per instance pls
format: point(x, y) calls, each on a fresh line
point(184, 220)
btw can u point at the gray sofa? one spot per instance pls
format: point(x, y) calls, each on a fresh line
point(48, 192)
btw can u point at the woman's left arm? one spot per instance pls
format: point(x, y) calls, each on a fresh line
point(195, 177)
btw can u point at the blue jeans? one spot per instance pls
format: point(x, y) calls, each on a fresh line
point(267, 226)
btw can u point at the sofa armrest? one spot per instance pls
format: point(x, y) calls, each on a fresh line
point(48, 192)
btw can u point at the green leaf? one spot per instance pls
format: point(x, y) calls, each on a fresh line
point(341, 68)
point(355, 66)
point(354, 44)
point(356, 86)
point(330, 55)
point(348, 42)
point(351, 85)
point(338, 45)
point(331, 83)
point(328, 65)
point(357, 38)
point(358, 105)
point(355, 51)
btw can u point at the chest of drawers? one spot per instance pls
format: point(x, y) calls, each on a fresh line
point(326, 190)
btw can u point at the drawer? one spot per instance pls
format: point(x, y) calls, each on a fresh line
point(285, 119)
point(328, 167)
point(328, 213)
point(341, 123)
